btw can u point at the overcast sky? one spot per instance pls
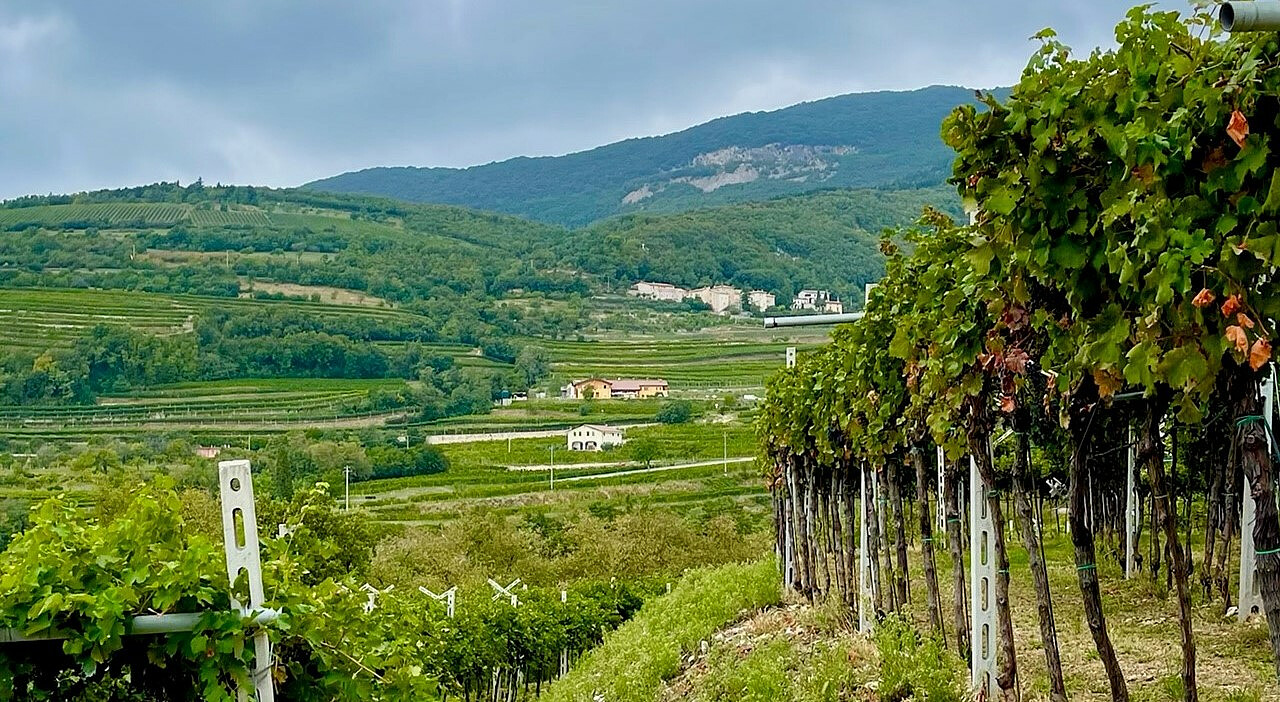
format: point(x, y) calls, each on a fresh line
point(97, 93)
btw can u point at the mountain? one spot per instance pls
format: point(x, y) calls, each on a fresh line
point(884, 140)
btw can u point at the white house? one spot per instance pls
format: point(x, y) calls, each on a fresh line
point(594, 437)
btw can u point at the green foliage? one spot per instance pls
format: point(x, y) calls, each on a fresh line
point(633, 662)
point(675, 412)
point(913, 666)
point(644, 450)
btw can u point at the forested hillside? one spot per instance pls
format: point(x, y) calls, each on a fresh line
point(872, 140)
point(827, 240)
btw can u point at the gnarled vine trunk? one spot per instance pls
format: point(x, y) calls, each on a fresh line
point(979, 437)
point(1255, 459)
point(960, 606)
point(902, 574)
point(926, 544)
point(1083, 407)
point(1151, 453)
point(1023, 486)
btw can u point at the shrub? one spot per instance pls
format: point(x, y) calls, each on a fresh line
point(914, 666)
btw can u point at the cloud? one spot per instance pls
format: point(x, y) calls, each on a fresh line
point(109, 94)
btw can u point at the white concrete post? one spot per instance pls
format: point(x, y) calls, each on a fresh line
point(982, 581)
point(240, 543)
point(1250, 599)
point(564, 653)
point(500, 591)
point(791, 357)
point(1131, 510)
point(448, 596)
point(941, 512)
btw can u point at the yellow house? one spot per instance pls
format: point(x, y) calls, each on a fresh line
point(591, 388)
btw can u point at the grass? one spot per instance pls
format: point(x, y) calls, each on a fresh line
point(634, 660)
point(1233, 659)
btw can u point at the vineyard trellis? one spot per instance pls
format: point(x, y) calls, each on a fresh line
point(1114, 295)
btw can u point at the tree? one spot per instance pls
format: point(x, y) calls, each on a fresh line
point(644, 450)
point(675, 412)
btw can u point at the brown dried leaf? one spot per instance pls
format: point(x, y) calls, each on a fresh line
point(1231, 306)
point(1007, 403)
point(1238, 128)
point(1204, 298)
point(1259, 354)
point(1238, 338)
point(1243, 320)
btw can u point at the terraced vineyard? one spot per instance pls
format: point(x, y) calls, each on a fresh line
point(696, 362)
point(207, 408)
point(42, 318)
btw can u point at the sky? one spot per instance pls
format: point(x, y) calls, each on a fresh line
point(98, 94)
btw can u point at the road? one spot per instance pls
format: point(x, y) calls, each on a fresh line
point(504, 435)
point(657, 469)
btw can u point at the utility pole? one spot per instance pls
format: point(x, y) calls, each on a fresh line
point(553, 469)
point(346, 471)
point(726, 454)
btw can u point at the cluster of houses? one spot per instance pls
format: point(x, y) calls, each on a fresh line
point(720, 298)
point(726, 298)
point(617, 388)
point(817, 300)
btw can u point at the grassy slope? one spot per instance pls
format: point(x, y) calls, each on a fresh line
point(634, 660)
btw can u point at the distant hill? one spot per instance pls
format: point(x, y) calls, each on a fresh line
point(447, 262)
point(884, 140)
point(826, 240)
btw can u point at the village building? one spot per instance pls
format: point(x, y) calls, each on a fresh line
point(761, 300)
point(594, 437)
point(208, 451)
point(625, 388)
point(817, 300)
point(721, 298)
point(658, 291)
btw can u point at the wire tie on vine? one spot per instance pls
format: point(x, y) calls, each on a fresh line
point(1003, 571)
point(1268, 553)
point(1089, 566)
point(926, 540)
point(953, 520)
point(993, 493)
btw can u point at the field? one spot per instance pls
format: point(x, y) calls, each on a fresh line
point(125, 215)
point(510, 477)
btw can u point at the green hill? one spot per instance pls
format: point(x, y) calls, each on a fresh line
point(886, 140)
point(825, 240)
point(443, 262)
